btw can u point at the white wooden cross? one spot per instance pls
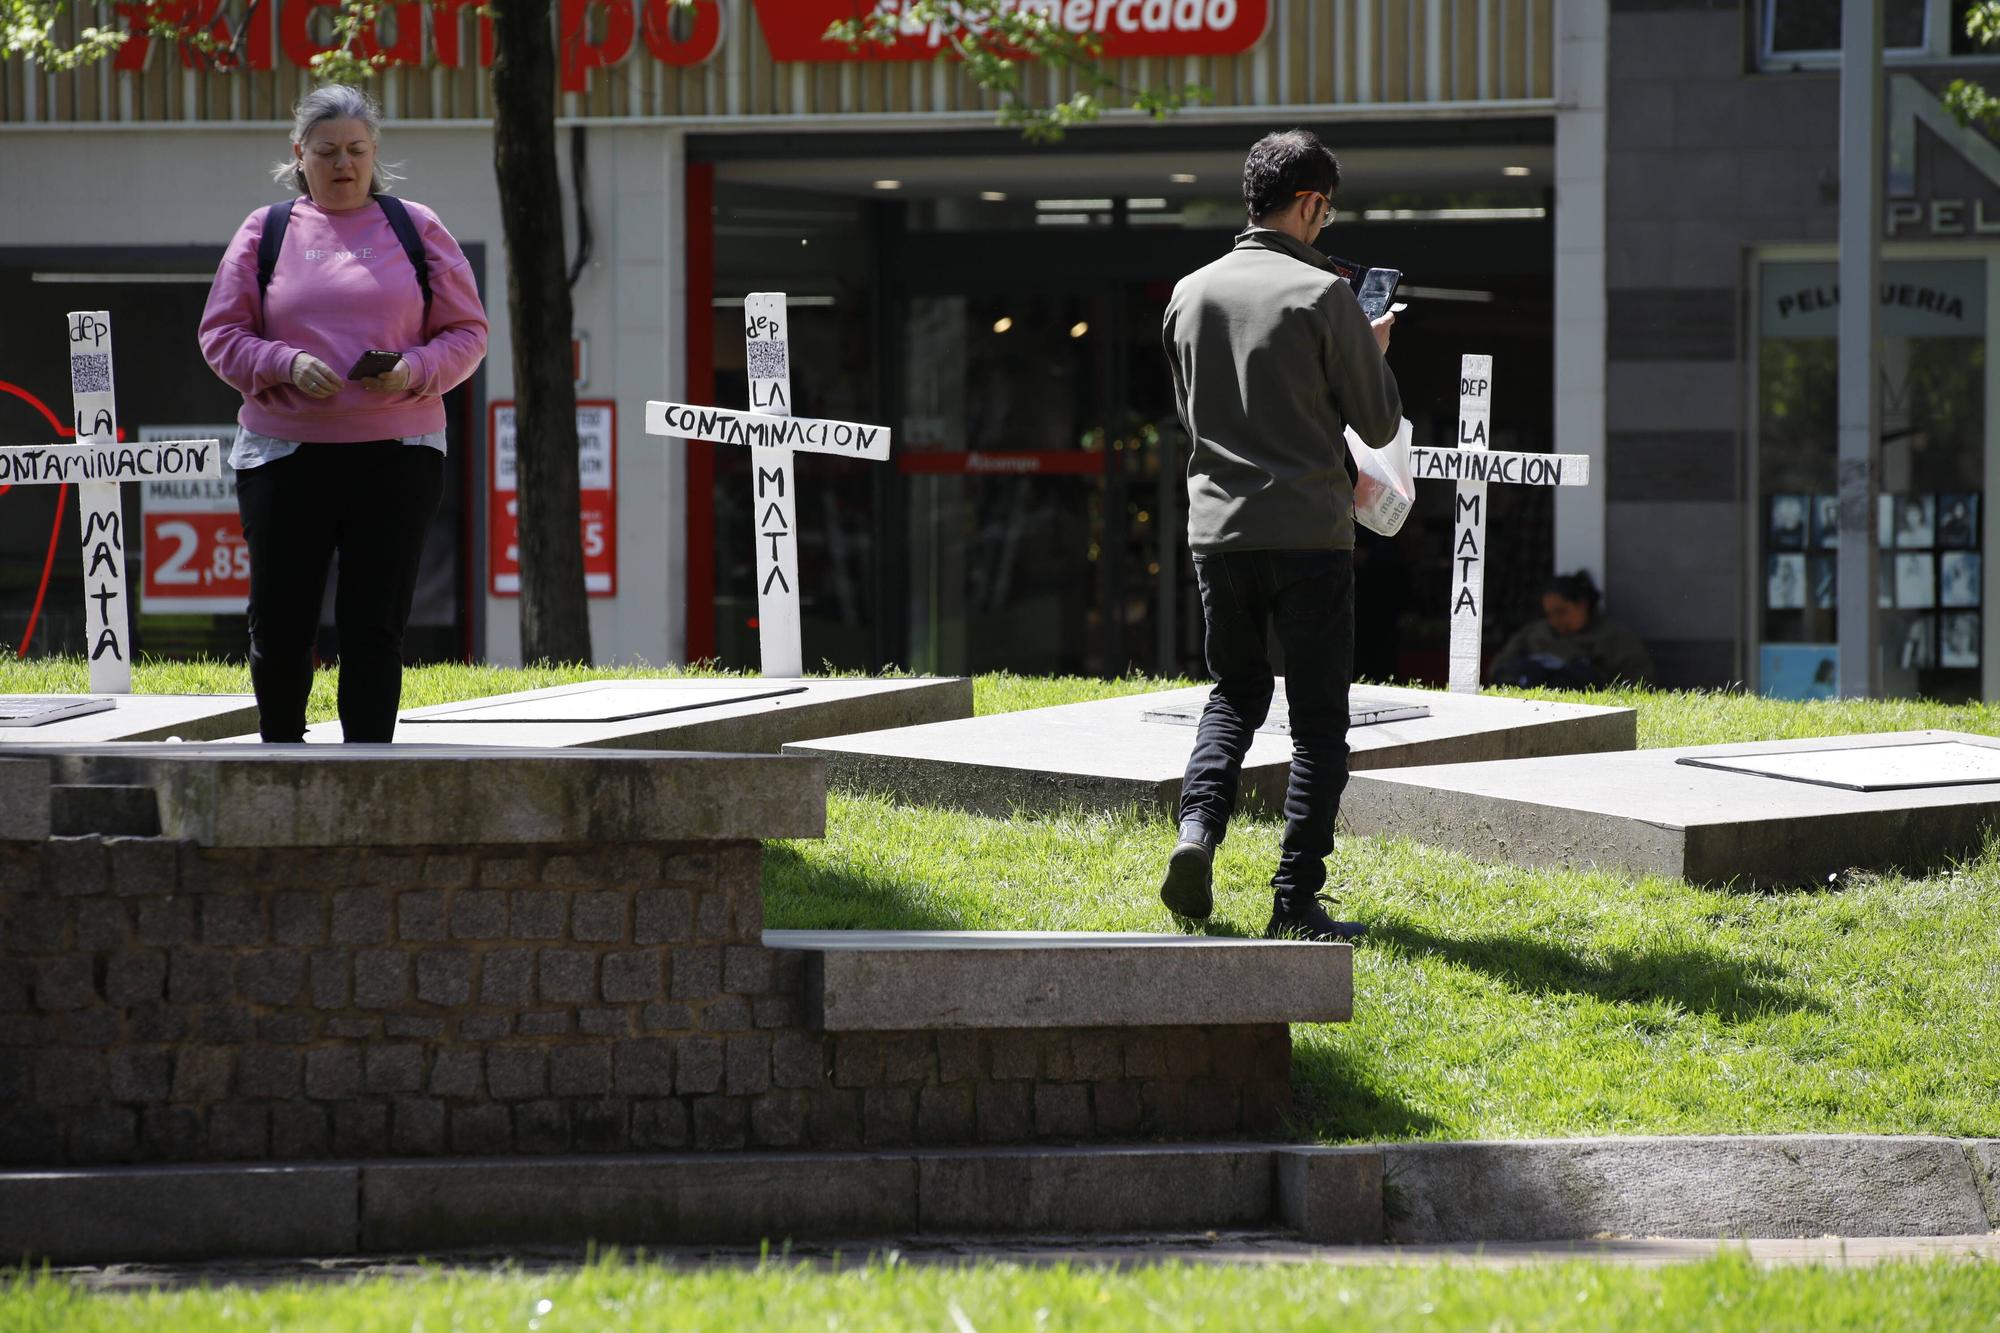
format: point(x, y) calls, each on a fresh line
point(773, 434)
point(98, 464)
point(1472, 465)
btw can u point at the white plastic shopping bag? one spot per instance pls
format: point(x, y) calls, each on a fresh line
point(1383, 487)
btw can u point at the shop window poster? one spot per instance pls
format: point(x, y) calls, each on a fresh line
point(1958, 578)
point(1959, 645)
point(1785, 583)
point(1916, 522)
point(1961, 639)
point(1913, 643)
point(1800, 670)
point(1826, 522)
point(1916, 589)
point(1788, 522)
point(1958, 519)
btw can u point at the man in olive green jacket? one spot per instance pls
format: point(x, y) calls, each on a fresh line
point(1272, 359)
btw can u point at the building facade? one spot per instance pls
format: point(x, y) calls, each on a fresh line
point(1723, 187)
point(1629, 205)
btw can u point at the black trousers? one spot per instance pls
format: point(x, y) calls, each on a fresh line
point(1308, 597)
point(370, 504)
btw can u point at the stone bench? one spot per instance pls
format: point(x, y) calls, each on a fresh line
point(239, 953)
point(1002, 1035)
point(901, 980)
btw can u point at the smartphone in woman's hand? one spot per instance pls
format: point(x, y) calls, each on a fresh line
point(374, 362)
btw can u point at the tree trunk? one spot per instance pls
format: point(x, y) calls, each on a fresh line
point(555, 621)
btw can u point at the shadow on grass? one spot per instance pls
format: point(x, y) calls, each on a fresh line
point(802, 895)
point(1698, 982)
point(1340, 1099)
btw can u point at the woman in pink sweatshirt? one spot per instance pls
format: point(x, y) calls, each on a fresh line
point(343, 346)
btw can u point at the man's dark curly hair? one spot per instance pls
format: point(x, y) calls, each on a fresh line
point(1282, 164)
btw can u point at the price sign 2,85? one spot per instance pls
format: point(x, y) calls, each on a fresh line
point(196, 562)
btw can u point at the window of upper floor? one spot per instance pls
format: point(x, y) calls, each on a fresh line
point(1805, 34)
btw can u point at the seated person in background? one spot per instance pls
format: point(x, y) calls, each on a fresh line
point(1571, 646)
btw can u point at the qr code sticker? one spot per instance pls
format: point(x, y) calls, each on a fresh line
point(767, 360)
point(90, 372)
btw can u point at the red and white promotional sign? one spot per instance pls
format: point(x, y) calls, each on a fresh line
point(796, 29)
point(590, 34)
point(597, 474)
point(191, 546)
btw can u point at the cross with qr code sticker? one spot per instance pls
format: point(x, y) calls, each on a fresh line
point(773, 434)
point(99, 463)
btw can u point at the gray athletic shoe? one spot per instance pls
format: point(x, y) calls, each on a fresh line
point(1187, 889)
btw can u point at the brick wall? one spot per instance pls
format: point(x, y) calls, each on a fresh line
point(161, 1002)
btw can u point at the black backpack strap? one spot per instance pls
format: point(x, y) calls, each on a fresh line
point(269, 243)
point(413, 246)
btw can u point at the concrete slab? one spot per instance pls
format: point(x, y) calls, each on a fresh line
point(1650, 812)
point(1177, 1188)
point(910, 980)
point(1421, 1196)
point(1770, 1185)
point(1104, 755)
point(1331, 1195)
point(221, 795)
point(696, 1197)
point(106, 1214)
point(135, 717)
point(736, 715)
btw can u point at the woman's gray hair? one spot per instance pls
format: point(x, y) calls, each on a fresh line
point(334, 101)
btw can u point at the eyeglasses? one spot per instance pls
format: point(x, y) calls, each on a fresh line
point(1325, 218)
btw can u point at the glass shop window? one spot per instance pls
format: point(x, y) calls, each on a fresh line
point(1927, 534)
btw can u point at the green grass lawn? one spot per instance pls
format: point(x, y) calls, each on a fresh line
point(1496, 1002)
point(1723, 1293)
point(1492, 1002)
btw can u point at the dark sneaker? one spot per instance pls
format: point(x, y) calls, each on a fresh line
point(1309, 921)
point(1186, 890)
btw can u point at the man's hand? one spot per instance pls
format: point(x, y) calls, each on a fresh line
point(1382, 327)
point(393, 380)
point(314, 376)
